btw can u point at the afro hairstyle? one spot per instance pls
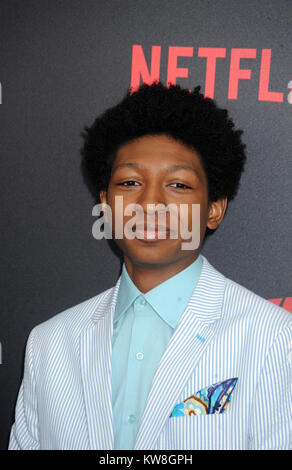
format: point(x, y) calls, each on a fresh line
point(184, 115)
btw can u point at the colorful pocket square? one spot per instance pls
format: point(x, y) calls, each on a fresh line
point(210, 400)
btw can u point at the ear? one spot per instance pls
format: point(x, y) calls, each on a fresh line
point(103, 199)
point(216, 213)
point(102, 195)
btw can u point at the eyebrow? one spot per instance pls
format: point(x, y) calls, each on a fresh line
point(170, 169)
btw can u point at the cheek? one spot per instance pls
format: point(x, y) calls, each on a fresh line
point(195, 214)
point(118, 205)
point(194, 220)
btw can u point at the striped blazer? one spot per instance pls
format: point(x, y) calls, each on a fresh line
point(226, 331)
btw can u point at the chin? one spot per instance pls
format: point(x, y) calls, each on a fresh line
point(152, 255)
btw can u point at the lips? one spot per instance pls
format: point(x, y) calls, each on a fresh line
point(151, 227)
point(151, 231)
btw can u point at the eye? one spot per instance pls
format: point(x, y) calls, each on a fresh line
point(128, 183)
point(181, 186)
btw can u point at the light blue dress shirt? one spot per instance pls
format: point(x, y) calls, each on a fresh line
point(143, 326)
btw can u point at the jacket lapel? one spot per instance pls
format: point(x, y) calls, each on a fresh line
point(95, 360)
point(190, 339)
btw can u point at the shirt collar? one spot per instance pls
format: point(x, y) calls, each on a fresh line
point(169, 299)
point(127, 293)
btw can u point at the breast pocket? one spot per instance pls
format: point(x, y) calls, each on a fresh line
point(197, 432)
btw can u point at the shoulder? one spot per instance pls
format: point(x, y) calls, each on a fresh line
point(255, 308)
point(73, 320)
point(241, 306)
point(259, 325)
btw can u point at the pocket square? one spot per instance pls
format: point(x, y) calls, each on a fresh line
point(210, 400)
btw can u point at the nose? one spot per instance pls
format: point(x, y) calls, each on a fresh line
point(151, 199)
point(152, 207)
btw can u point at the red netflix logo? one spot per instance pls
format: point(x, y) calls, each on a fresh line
point(284, 302)
point(150, 73)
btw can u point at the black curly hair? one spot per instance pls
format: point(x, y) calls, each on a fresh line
point(184, 115)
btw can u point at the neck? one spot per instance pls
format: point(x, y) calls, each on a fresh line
point(147, 276)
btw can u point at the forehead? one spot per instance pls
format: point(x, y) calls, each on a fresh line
point(157, 150)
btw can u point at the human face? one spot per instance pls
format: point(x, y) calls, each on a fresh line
point(157, 169)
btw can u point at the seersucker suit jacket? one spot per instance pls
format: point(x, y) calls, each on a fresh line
point(226, 331)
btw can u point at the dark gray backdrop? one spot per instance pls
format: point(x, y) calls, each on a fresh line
point(64, 62)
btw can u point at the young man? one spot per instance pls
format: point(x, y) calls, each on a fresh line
point(175, 355)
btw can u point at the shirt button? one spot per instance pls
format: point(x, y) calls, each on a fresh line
point(138, 304)
point(131, 418)
point(143, 302)
point(139, 356)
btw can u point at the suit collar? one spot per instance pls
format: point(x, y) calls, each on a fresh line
point(206, 301)
point(107, 302)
